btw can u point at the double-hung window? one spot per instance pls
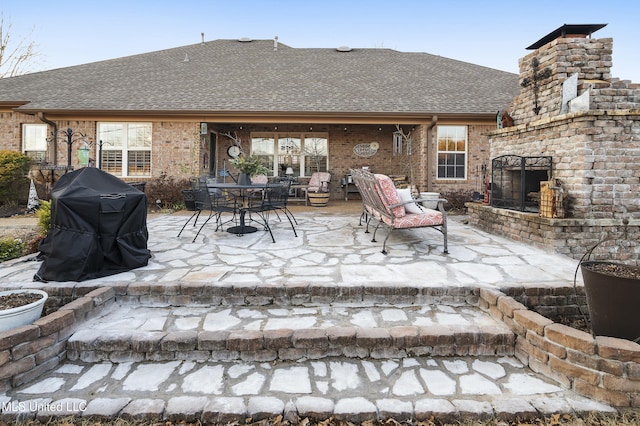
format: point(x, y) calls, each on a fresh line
point(125, 148)
point(452, 152)
point(34, 141)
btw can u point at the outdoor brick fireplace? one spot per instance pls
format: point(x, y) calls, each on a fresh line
point(515, 181)
point(571, 111)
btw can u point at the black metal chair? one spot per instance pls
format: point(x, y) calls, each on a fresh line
point(223, 202)
point(189, 196)
point(274, 198)
point(215, 201)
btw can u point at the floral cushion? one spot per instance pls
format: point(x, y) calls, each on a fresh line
point(412, 220)
point(390, 194)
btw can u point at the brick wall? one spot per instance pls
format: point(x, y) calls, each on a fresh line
point(11, 129)
point(176, 149)
point(595, 157)
point(29, 351)
point(179, 150)
point(571, 237)
point(606, 369)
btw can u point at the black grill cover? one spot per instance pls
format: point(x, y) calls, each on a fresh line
point(98, 228)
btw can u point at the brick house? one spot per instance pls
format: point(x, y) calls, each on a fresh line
point(169, 111)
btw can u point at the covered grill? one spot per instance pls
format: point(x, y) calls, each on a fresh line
point(98, 228)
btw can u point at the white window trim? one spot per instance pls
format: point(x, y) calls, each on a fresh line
point(26, 133)
point(125, 146)
point(466, 153)
point(276, 136)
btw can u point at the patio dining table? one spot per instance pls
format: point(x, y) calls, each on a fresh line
point(243, 192)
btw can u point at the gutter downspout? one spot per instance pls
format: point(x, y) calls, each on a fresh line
point(42, 118)
point(434, 121)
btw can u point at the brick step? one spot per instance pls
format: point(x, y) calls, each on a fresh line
point(127, 332)
point(193, 293)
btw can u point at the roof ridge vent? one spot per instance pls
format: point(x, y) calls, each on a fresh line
point(344, 49)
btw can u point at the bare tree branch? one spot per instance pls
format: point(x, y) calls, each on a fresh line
point(15, 58)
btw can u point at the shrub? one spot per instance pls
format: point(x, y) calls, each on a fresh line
point(456, 199)
point(10, 248)
point(166, 192)
point(44, 217)
point(14, 184)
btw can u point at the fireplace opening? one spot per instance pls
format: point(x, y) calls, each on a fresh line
point(516, 181)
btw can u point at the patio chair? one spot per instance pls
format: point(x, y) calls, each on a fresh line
point(274, 199)
point(216, 202)
point(189, 197)
point(382, 201)
point(255, 195)
point(319, 182)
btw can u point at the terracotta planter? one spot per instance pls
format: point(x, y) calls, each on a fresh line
point(613, 301)
point(22, 315)
point(318, 199)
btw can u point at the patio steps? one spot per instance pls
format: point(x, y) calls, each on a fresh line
point(128, 332)
point(231, 353)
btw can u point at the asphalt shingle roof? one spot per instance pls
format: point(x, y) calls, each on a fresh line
point(235, 76)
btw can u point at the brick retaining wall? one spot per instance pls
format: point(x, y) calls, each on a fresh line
point(29, 351)
point(606, 369)
point(571, 237)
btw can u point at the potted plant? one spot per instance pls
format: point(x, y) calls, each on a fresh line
point(613, 293)
point(20, 307)
point(248, 167)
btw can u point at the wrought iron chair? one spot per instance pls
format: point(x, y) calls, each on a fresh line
point(215, 201)
point(189, 195)
point(274, 198)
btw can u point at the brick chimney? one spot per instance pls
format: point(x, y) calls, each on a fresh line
point(565, 51)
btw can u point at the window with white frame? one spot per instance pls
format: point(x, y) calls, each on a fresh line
point(125, 148)
point(452, 152)
point(303, 153)
point(34, 141)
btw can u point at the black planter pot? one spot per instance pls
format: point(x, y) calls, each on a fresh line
point(244, 179)
point(614, 303)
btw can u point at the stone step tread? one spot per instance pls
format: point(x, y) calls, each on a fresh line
point(345, 388)
point(272, 317)
point(265, 333)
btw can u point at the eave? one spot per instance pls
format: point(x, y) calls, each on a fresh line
point(263, 117)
